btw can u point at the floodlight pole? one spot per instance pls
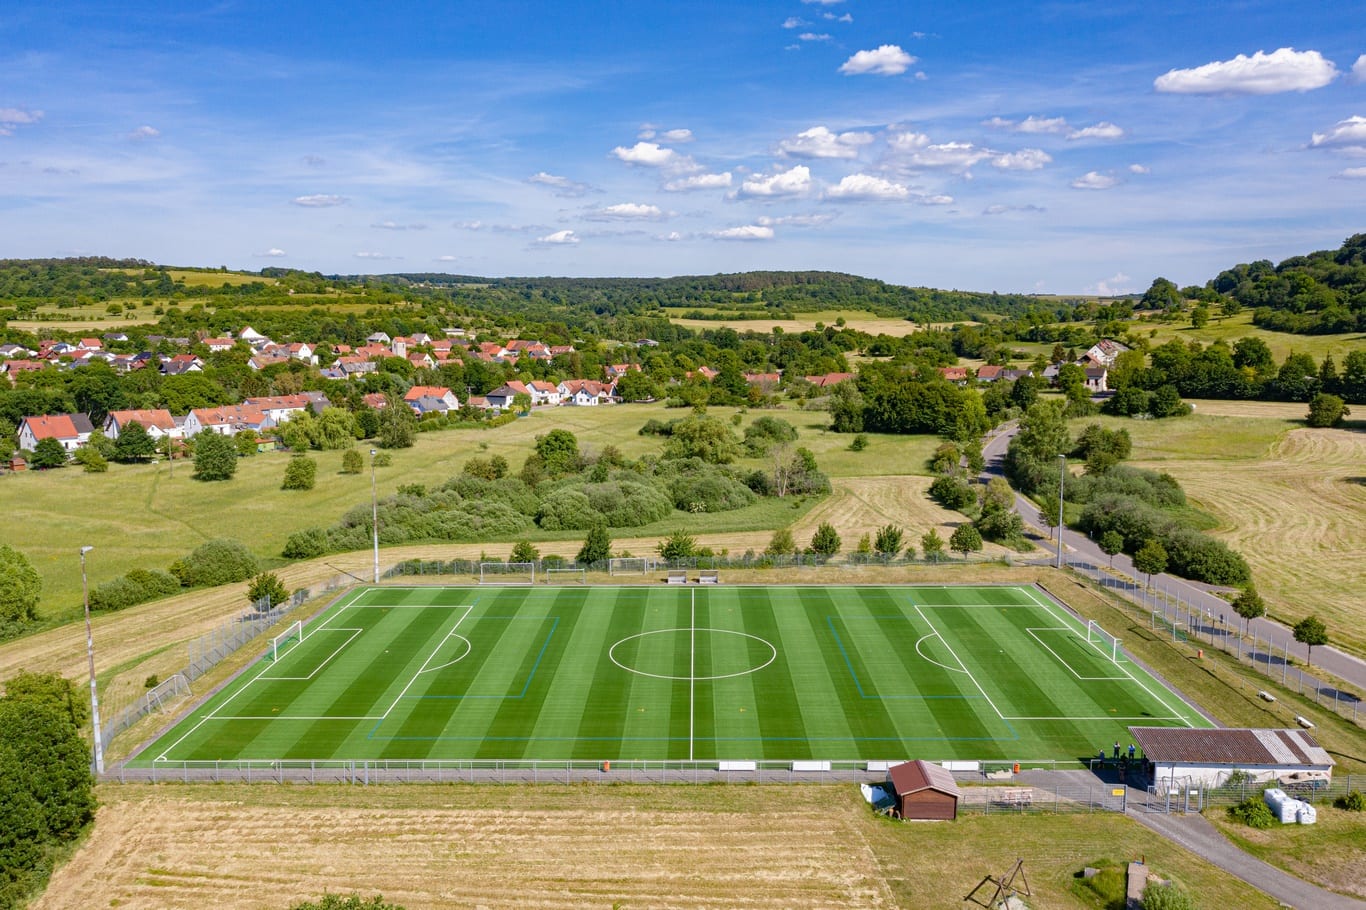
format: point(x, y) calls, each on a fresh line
point(374, 512)
point(90, 653)
point(1062, 475)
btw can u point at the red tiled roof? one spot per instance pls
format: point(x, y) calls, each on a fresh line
point(159, 418)
point(58, 426)
point(426, 391)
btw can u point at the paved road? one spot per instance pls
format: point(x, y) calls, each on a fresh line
point(1345, 666)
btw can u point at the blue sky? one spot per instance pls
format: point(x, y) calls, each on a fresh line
point(1061, 147)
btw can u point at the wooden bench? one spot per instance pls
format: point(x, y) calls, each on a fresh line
point(1016, 796)
point(709, 578)
point(678, 577)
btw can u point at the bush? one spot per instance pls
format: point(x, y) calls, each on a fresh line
point(352, 462)
point(300, 474)
point(952, 493)
point(678, 545)
point(267, 585)
point(306, 544)
point(568, 509)
point(709, 492)
point(1352, 802)
point(1167, 896)
point(859, 442)
point(138, 586)
point(1253, 812)
point(218, 562)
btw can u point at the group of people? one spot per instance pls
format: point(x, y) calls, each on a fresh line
point(1118, 755)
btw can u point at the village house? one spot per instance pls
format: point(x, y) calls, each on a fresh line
point(228, 420)
point(989, 372)
point(71, 430)
point(278, 408)
point(955, 375)
point(827, 380)
point(1103, 353)
point(12, 368)
point(428, 399)
point(218, 345)
point(502, 397)
point(586, 392)
point(543, 392)
point(159, 423)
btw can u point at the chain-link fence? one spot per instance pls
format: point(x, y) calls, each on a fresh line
point(1167, 612)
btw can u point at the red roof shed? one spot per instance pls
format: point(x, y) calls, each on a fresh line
point(924, 790)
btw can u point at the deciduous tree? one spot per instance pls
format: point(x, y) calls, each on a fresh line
point(1310, 631)
point(215, 456)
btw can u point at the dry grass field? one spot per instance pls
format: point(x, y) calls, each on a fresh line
point(428, 847)
point(1331, 852)
point(1290, 498)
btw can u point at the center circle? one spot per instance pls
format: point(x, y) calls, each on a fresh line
point(688, 641)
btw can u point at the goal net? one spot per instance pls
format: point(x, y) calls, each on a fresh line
point(1102, 641)
point(282, 642)
point(564, 576)
point(507, 573)
point(628, 565)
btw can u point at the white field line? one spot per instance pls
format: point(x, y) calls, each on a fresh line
point(325, 661)
point(1058, 656)
point(926, 657)
point(692, 671)
point(1049, 607)
point(927, 622)
point(429, 659)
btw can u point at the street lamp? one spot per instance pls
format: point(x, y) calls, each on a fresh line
point(90, 653)
point(1062, 475)
point(374, 512)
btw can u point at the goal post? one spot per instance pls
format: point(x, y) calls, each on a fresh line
point(280, 643)
point(1103, 641)
point(507, 573)
point(576, 576)
point(628, 565)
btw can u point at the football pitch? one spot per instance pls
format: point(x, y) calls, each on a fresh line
point(673, 673)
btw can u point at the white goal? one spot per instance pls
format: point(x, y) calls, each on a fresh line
point(576, 576)
point(1102, 641)
point(628, 565)
point(291, 636)
point(507, 573)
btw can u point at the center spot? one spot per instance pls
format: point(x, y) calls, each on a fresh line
point(721, 651)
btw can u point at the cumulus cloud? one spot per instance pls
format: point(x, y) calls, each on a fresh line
point(559, 238)
point(1094, 180)
point(273, 253)
point(650, 154)
point(865, 187)
point(1352, 173)
point(887, 60)
point(1139, 169)
point(395, 226)
point(1346, 135)
point(1030, 124)
point(813, 36)
point(628, 211)
point(144, 132)
point(1359, 69)
point(319, 201)
point(1023, 160)
point(562, 186)
point(699, 182)
point(819, 142)
point(10, 117)
point(1113, 286)
point(744, 232)
point(1103, 130)
point(679, 135)
point(914, 150)
point(794, 22)
point(846, 18)
point(794, 182)
point(1284, 70)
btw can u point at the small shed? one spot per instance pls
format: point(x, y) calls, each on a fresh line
point(1178, 757)
point(924, 790)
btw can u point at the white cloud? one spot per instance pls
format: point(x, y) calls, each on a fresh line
point(819, 142)
point(1093, 180)
point(395, 226)
point(673, 236)
point(1023, 160)
point(628, 211)
point(746, 232)
point(558, 238)
point(1103, 130)
point(1348, 135)
point(366, 254)
point(562, 186)
point(273, 253)
point(914, 150)
point(1030, 124)
point(936, 200)
point(812, 220)
point(1113, 286)
point(319, 201)
point(794, 22)
point(1359, 69)
point(10, 117)
point(679, 135)
point(868, 188)
point(794, 182)
point(1284, 70)
point(1140, 169)
point(650, 154)
point(813, 36)
point(699, 182)
point(887, 60)
point(1353, 173)
point(846, 18)
point(144, 132)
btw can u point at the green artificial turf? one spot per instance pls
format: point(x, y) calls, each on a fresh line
point(676, 673)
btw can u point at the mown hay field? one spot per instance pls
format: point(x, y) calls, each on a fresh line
point(677, 846)
point(1290, 498)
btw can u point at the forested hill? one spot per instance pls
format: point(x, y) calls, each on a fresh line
point(1323, 293)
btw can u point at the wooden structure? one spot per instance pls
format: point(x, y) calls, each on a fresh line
point(924, 790)
point(1005, 887)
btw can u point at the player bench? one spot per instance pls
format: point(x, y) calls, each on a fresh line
point(1018, 797)
point(678, 576)
point(709, 577)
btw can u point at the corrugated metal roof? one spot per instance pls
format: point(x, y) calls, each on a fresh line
point(1234, 746)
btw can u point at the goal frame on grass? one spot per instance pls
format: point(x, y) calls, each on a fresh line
point(1095, 634)
point(507, 573)
point(565, 576)
point(295, 631)
point(628, 565)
